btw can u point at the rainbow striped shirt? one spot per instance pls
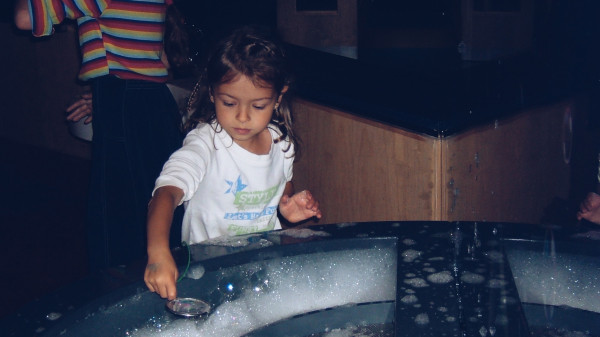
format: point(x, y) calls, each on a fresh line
point(118, 37)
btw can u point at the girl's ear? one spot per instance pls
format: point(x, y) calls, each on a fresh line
point(210, 95)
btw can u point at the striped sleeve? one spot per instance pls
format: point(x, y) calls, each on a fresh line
point(47, 13)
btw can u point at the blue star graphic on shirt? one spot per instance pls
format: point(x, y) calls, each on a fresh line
point(235, 186)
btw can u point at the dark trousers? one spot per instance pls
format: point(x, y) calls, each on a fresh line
point(136, 128)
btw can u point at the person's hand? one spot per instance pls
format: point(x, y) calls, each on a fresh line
point(161, 275)
point(589, 209)
point(81, 108)
point(298, 207)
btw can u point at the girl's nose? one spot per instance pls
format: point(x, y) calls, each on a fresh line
point(243, 115)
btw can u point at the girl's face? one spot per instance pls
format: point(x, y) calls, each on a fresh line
point(244, 111)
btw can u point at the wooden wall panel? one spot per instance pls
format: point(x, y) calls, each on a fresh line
point(508, 171)
point(511, 170)
point(364, 171)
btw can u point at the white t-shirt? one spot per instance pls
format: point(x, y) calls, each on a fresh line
point(227, 189)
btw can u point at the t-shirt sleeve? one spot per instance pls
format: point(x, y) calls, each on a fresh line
point(186, 167)
point(47, 13)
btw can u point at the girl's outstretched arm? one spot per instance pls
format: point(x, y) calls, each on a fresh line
point(298, 207)
point(161, 272)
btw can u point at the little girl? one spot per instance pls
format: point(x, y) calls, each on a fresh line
point(234, 169)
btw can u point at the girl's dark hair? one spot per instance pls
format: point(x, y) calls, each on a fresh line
point(250, 52)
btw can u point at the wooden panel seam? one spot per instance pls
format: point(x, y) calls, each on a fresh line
point(438, 160)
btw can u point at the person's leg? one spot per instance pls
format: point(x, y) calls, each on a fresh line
point(153, 133)
point(136, 128)
point(109, 184)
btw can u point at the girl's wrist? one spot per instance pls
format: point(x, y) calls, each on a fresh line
point(158, 250)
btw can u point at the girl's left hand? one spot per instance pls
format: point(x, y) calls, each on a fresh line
point(298, 207)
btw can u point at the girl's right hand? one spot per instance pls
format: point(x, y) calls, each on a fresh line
point(161, 275)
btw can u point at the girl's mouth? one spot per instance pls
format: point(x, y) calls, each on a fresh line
point(241, 131)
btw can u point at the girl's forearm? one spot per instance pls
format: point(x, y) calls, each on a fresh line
point(160, 215)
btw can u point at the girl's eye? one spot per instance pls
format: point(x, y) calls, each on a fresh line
point(227, 103)
point(259, 107)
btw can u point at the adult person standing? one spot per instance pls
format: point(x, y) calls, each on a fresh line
point(136, 123)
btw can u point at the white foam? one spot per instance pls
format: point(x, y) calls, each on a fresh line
point(437, 258)
point(409, 299)
point(53, 316)
point(297, 285)
point(422, 319)
point(340, 333)
point(410, 255)
point(556, 279)
point(440, 278)
point(472, 278)
point(416, 282)
point(196, 272)
point(301, 233)
point(349, 331)
point(231, 241)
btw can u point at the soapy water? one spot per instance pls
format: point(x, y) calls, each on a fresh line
point(410, 255)
point(287, 287)
point(358, 270)
point(233, 241)
point(560, 293)
point(248, 297)
point(557, 280)
point(225, 245)
point(301, 233)
point(378, 330)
